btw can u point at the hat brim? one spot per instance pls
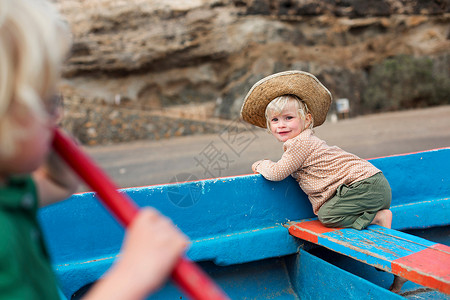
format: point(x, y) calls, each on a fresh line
point(302, 84)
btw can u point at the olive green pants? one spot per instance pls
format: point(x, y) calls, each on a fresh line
point(357, 204)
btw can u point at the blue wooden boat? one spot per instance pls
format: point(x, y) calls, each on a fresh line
point(242, 233)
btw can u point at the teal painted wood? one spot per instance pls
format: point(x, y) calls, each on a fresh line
point(411, 257)
point(232, 221)
point(317, 279)
point(377, 246)
point(421, 178)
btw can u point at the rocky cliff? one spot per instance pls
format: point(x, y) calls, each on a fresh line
point(156, 56)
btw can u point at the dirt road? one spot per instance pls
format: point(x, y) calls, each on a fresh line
point(226, 154)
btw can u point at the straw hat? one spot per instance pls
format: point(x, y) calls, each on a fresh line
point(302, 84)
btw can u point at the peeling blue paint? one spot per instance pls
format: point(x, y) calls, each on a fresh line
point(237, 224)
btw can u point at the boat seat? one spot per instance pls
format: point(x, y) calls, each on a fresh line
point(411, 257)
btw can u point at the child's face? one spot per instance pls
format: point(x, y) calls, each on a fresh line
point(32, 149)
point(288, 124)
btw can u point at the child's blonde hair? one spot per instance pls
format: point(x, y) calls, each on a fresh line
point(33, 44)
point(277, 105)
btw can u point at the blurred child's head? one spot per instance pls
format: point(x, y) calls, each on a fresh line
point(33, 44)
point(287, 116)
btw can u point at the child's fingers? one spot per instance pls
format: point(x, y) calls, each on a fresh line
point(152, 247)
point(151, 224)
point(164, 225)
point(255, 166)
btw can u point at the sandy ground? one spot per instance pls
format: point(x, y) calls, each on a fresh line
point(229, 153)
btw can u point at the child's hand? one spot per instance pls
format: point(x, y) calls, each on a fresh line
point(255, 166)
point(152, 247)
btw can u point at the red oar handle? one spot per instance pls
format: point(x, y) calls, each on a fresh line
point(188, 276)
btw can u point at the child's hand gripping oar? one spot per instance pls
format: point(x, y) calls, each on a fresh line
point(190, 278)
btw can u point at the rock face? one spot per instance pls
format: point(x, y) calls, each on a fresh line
point(154, 55)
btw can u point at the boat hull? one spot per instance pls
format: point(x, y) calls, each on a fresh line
point(236, 226)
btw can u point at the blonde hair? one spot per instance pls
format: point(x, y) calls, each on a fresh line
point(277, 105)
point(33, 44)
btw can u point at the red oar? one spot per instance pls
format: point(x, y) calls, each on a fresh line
point(191, 279)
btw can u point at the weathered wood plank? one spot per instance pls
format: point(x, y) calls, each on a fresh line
point(414, 258)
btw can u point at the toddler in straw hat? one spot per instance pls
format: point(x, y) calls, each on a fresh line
point(33, 44)
point(344, 190)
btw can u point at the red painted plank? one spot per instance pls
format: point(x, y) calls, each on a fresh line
point(434, 266)
point(428, 267)
point(309, 230)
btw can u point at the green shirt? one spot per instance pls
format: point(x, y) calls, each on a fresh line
point(25, 270)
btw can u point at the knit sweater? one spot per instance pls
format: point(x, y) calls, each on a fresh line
point(318, 168)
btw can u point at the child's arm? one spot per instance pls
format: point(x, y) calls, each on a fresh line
point(291, 160)
point(152, 247)
point(55, 181)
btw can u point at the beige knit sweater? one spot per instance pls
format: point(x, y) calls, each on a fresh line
point(318, 168)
